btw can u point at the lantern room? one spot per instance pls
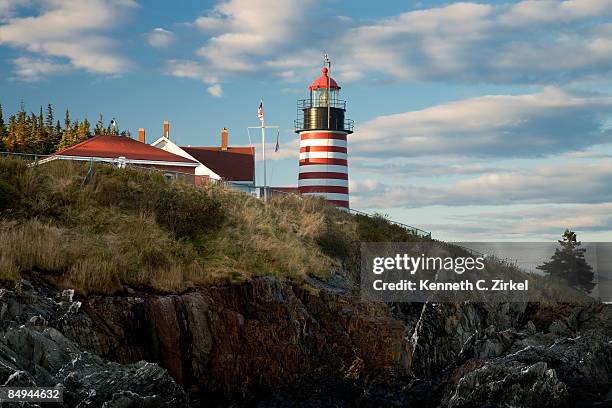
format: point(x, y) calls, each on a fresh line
point(323, 88)
point(323, 110)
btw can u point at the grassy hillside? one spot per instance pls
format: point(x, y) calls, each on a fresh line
point(124, 228)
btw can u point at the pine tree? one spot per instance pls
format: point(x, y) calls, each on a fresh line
point(100, 129)
point(50, 136)
point(67, 120)
point(74, 132)
point(33, 141)
point(40, 136)
point(49, 119)
point(22, 130)
point(3, 130)
point(57, 135)
point(84, 130)
point(569, 264)
point(67, 137)
point(9, 140)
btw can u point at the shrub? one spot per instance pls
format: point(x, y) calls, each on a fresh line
point(188, 212)
point(8, 195)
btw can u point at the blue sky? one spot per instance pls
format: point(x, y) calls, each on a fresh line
point(477, 121)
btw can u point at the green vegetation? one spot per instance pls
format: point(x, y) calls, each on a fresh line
point(569, 265)
point(126, 228)
point(38, 133)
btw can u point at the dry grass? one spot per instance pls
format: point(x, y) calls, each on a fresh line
point(33, 245)
point(126, 228)
point(260, 240)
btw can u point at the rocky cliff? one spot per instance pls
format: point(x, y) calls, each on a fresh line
point(266, 343)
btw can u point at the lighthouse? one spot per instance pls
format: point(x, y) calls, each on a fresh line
point(323, 132)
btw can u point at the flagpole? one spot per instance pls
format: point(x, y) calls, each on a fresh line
point(328, 63)
point(263, 154)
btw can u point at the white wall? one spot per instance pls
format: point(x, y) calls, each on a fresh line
point(169, 146)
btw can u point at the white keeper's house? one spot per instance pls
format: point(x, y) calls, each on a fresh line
point(234, 165)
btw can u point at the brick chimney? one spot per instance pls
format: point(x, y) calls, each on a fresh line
point(224, 138)
point(166, 129)
point(141, 135)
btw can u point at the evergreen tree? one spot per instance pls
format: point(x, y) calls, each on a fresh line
point(3, 130)
point(100, 129)
point(51, 139)
point(67, 120)
point(57, 135)
point(33, 141)
point(41, 133)
point(67, 135)
point(22, 130)
point(84, 130)
point(569, 264)
point(9, 140)
point(41, 140)
point(49, 120)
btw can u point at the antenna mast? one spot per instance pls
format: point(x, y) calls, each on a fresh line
point(327, 62)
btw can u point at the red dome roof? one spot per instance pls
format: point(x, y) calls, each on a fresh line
point(321, 82)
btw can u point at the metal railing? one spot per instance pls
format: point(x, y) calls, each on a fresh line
point(315, 103)
point(412, 230)
point(347, 125)
point(25, 156)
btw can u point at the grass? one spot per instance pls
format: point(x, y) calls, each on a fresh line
point(126, 228)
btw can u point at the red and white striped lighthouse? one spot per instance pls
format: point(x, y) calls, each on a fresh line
point(323, 134)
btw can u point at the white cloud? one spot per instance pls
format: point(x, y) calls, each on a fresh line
point(528, 125)
point(425, 166)
point(73, 30)
point(160, 38)
point(287, 149)
point(541, 42)
point(34, 69)
point(540, 222)
point(7, 8)
point(554, 11)
point(247, 36)
point(215, 90)
point(567, 184)
point(522, 43)
point(190, 69)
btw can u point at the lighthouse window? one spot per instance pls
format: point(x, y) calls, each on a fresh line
point(319, 97)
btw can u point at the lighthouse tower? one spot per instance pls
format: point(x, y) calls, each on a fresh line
point(323, 148)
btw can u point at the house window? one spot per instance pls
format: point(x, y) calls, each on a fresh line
point(168, 176)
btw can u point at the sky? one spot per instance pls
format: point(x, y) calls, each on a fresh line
point(487, 121)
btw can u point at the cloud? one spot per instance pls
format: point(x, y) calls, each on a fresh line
point(529, 42)
point(288, 149)
point(216, 90)
point(190, 69)
point(246, 37)
point(541, 222)
point(34, 69)
point(538, 42)
point(566, 184)
point(7, 8)
point(71, 30)
point(554, 11)
point(160, 38)
point(529, 125)
point(250, 28)
point(425, 166)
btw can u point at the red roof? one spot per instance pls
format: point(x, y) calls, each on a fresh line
point(233, 164)
point(112, 147)
point(321, 82)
